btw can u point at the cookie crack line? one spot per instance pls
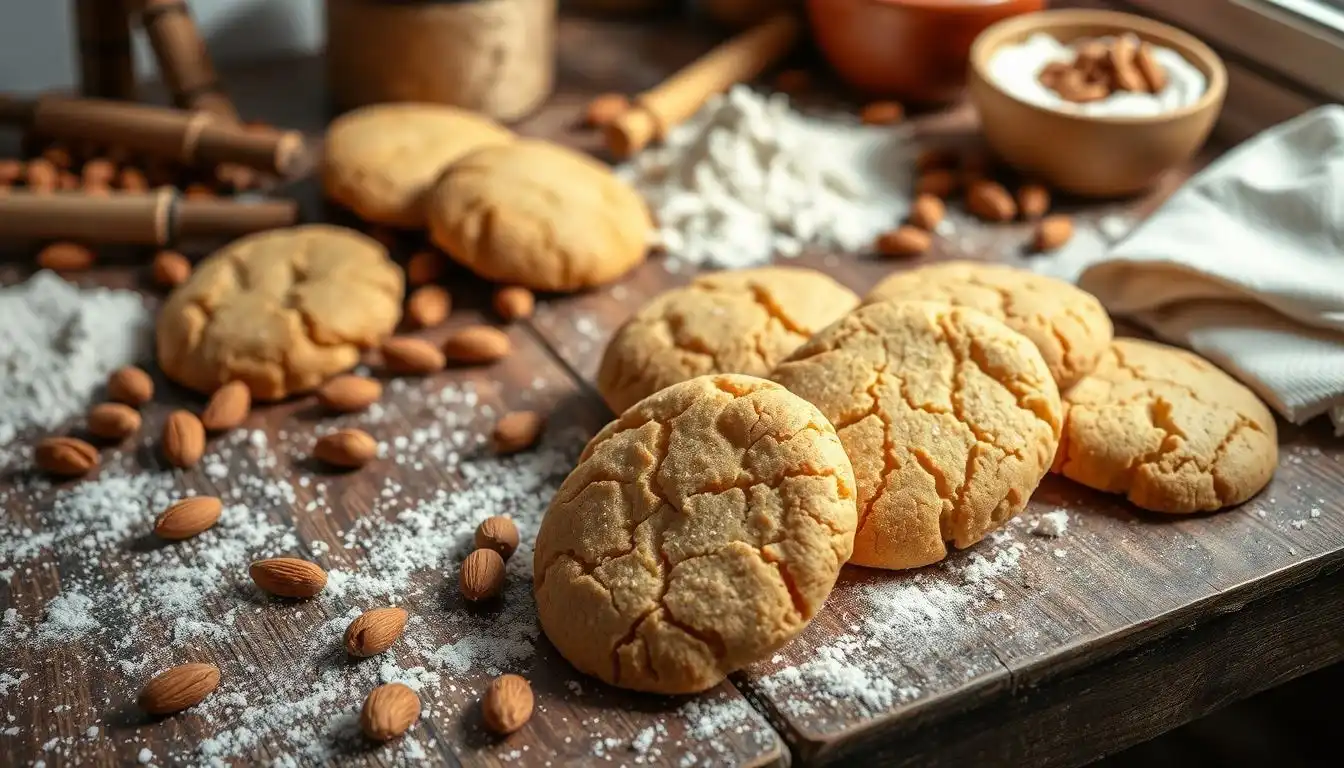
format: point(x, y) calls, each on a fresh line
point(1141, 376)
point(975, 356)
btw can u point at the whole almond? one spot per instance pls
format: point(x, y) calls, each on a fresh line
point(346, 448)
point(66, 456)
point(113, 421)
point(516, 431)
point(904, 242)
point(1127, 75)
point(59, 156)
point(1052, 232)
point(373, 632)
point(477, 344)
point(424, 267)
point(65, 257)
point(988, 200)
point(11, 171)
point(389, 711)
point(482, 575)
point(67, 181)
point(939, 182)
point(40, 175)
point(228, 407)
point(1033, 200)
point(498, 533)
point(927, 212)
point(170, 269)
point(98, 170)
point(407, 356)
point(349, 393)
point(187, 517)
point(507, 704)
point(175, 689)
point(288, 576)
point(1154, 76)
point(514, 302)
point(132, 180)
point(605, 109)
point(183, 439)
point(428, 306)
point(130, 385)
point(882, 113)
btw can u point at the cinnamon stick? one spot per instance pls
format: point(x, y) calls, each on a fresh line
point(159, 218)
point(182, 57)
point(103, 42)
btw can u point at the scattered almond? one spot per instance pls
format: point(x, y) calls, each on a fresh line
point(173, 690)
point(66, 456)
point(183, 439)
point(228, 407)
point(1123, 67)
point(904, 241)
point(407, 356)
point(882, 113)
point(65, 257)
point(99, 170)
point(793, 81)
point(346, 448)
point(1053, 232)
point(428, 306)
point(1154, 76)
point(113, 421)
point(605, 109)
point(988, 200)
point(130, 385)
point(132, 180)
point(11, 171)
point(198, 191)
point(373, 632)
point(498, 533)
point(507, 704)
point(482, 575)
point(516, 431)
point(939, 182)
point(41, 176)
point(514, 302)
point(187, 517)
point(424, 267)
point(389, 711)
point(58, 156)
point(67, 181)
point(288, 576)
point(1033, 200)
point(927, 212)
point(349, 393)
point(170, 269)
point(477, 344)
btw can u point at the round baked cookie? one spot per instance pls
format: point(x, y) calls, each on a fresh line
point(281, 311)
point(1168, 429)
point(699, 532)
point(741, 321)
point(1067, 324)
point(381, 161)
point(950, 417)
point(539, 215)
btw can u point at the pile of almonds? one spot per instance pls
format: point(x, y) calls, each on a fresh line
point(1103, 66)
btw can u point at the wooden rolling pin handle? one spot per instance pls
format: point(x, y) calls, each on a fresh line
point(121, 219)
point(275, 151)
point(219, 218)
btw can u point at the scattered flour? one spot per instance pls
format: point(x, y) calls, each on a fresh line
point(1051, 524)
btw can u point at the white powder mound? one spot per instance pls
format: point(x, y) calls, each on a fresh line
point(1051, 524)
point(748, 178)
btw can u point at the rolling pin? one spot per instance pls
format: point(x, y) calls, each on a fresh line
point(182, 58)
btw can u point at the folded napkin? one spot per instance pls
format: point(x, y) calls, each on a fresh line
point(1245, 265)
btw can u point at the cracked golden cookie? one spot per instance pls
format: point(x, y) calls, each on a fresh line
point(950, 417)
point(741, 321)
point(1067, 324)
point(1168, 429)
point(281, 311)
point(539, 215)
point(381, 161)
point(699, 533)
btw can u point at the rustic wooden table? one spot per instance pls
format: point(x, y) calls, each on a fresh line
point(1023, 650)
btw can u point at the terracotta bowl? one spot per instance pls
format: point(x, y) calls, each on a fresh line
point(913, 50)
point(1085, 155)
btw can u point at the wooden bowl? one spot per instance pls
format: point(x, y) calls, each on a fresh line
point(1087, 155)
point(914, 50)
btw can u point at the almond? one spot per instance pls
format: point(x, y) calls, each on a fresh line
point(66, 456)
point(40, 175)
point(65, 257)
point(346, 448)
point(407, 356)
point(388, 711)
point(113, 421)
point(183, 439)
point(1053, 232)
point(373, 632)
point(477, 344)
point(349, 393)
point(882, 113)
point(514, 302)
point(1124, 68)
point(99, 170)
point(482, 575)
point(516, 431)
point(904, 242)
point(58, 156)
point(939, 183)
point(988, 200)
point(424, 267)
point(1033, 200)
point(507, 704)
point(170, 269)
point(68, 182)
point(793, 81)
point(927, 212)
point(605, 109)
point(188, 517)
point(132, 180)
point(498, 533)
point(11, 171)
point(228, 407)
point(428, 306)
point(173, 690)
point(130, 385)
point(288, 576)
point(1154, 76)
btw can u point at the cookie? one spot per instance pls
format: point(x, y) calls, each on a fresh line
point(699, 532)
point(1067, 324)
point(743, 321)
point(950, 417)
point(539, 215)
point(281, 311)
point(381, 161)
point(1168, 429)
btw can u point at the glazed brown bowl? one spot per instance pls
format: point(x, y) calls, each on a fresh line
point(913, 50)
point(1089, 155)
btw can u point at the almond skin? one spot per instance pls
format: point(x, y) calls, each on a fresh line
point(424, 267)
point(514, 302)
point(373, 632)
point(605, 109)
point(170, 269)
point(428, 306)
point(228, 407)
point(113, 421)
point(389, 711)
point(288, 576)
point(346, 448)
point(1053, 232)
point(516, 431)
point(507, 704)
point(499, 534)
point(406, 356)
point(130, 385)
point(882, 113)
point(349, 393)
point(175, 689)
point(187, 517)
point(988, 200)
point(65, 257)
point(66, 456)
point(477, 344)
point(482, 575)
point(183, 439)
point(1033, 201)
point(927, 212)
point(904, 242)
